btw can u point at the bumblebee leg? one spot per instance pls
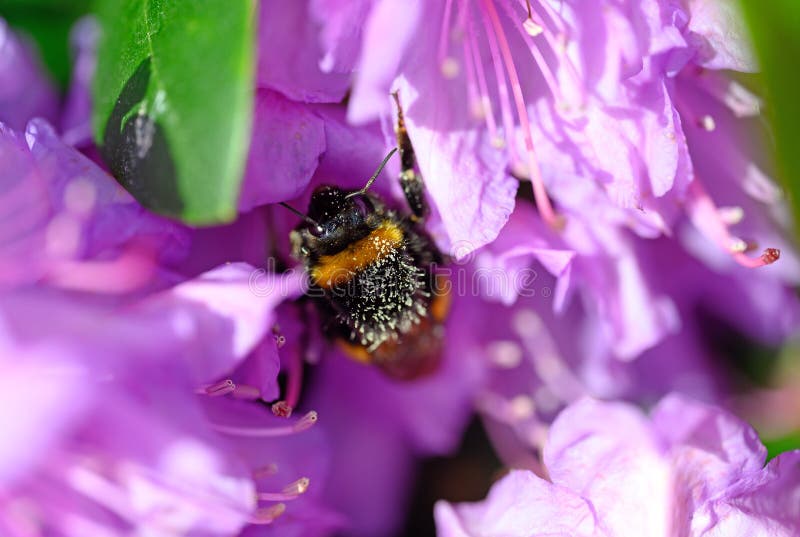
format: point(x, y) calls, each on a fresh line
point(410, 182)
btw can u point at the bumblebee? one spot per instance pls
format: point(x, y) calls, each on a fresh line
point(373, 271)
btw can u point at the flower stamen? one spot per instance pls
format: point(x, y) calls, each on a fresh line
point(294, 383)
point(227, 386)
point(709, 220)
point(306, 422)
point(531, 26)
point(267, 515)
point(447, 63)
point(221, 388)
point(547, 73)
point(502, 87)
point(558, 44)
point(290, 492)
point(265, 471)
point(484, 100)
point(539, 192)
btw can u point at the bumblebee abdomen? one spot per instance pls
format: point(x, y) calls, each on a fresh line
point(384, 300)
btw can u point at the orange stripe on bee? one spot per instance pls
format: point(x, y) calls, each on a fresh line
point(357, 352)
point(339, 268)
point(440, 305)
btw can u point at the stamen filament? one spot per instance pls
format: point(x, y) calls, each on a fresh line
point(485, 101)
point(267, 515)
point(708, 219)
point(502, 89)
point(444, 34)
point(302, 424)
point(247, 392)
point(476, 107)
point(556, 43)
point(220, 388)
point(547, 73)
point(539, 193)
point(294, 382)
point(265, 471)
point(289, 492)
point(554, 17)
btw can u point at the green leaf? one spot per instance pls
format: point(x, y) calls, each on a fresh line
point(776, 446)
point(173, 102)
point(775, 26)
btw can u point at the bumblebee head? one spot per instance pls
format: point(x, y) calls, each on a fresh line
point(336, 218)
point(333, 208)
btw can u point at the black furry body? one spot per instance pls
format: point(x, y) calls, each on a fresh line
point(389, 296)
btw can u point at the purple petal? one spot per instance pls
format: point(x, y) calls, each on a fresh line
point(163, 469)
point(285, 147)
point(465, 177)
point(112, 216)
point(76, 118)
point(711, 447)
point(277, 462)
point(289, 55)
point(520, 505)
point(372, 463)
point(341, 27)
point(762, 504)
point(85, 218)
point(174, 472)
point(48, 382)
point(718, 31)
point(666, 152)
point(390, 28)
point(222, 315)
point(523, 240)
point(594, 447)
point(25, 90)
point(24, 212)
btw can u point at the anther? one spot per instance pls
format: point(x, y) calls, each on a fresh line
point(770, 255)
point(707, 218)
point(531, 26)
point(306, 421)
point(707, 123)
point(280, 339)
point(289, 492)
point(737, 246)
point(297, 487)
point(282, 409)
point(450, 67)
point(522, 407)
point(265, 471)
point(731, 215)
point(220, 388)
point(506, 354)
point(267, 515)
point(546, 210)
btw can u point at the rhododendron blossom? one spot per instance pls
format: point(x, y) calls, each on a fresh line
point(609, 231)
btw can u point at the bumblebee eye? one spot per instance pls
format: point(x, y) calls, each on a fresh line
point(316, 231)
point(363, 204)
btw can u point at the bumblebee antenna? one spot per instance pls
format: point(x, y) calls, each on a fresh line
point(374, 176)
point(301, 215)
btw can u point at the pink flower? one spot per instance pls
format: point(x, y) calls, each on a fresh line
point(689, 469)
